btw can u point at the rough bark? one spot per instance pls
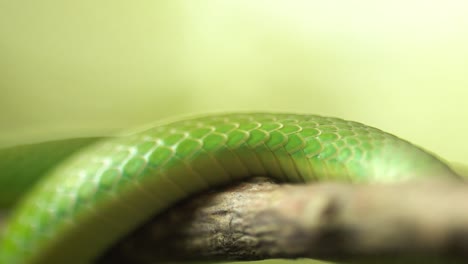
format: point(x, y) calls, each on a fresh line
point(260, 219)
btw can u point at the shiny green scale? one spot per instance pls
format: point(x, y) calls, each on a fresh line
point(107, 189)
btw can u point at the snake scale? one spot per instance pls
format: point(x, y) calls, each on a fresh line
point(110, 186)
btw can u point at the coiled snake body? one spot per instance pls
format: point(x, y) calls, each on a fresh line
point(108, 188)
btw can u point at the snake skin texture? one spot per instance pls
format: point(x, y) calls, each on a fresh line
point(106, 190)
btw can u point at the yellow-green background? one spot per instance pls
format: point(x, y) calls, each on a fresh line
point(75, 68)
point(71, 68)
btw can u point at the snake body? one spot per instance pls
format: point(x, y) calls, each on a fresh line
point(107, 189)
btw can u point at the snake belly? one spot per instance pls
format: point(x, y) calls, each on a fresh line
point(101, 193)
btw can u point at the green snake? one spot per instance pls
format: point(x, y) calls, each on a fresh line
point(107, 187)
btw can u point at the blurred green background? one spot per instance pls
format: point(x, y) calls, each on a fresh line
point(80, 68)
point(76, 68)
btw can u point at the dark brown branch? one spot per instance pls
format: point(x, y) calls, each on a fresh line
point(260, 219)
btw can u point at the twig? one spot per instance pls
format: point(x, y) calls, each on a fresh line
point(259, 219)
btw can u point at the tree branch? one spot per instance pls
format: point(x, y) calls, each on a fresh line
point(260, 219)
